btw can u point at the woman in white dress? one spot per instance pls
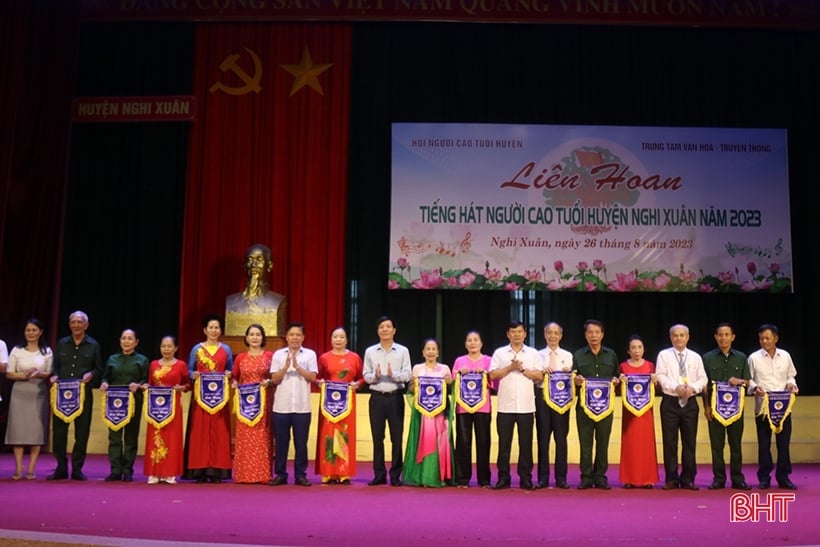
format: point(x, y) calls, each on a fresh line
point(30, 366)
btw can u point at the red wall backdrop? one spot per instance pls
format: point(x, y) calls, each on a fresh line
point(268, 164)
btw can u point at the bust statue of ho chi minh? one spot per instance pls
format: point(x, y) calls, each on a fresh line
point(257, 303)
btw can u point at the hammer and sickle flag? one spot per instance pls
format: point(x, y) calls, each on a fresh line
point(727, 403)
point(638, 393)
point(250, 81)
point(430, 397)
point(211, 391)
point(777, 405)
point(159, 409)
point(559, 393)
point(597, 398)
point(335, 401)
point(249, 403)
point(118, 407)
point(67, 399)
point(471, 390)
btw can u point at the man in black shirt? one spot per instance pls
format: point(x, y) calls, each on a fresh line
point(76, 357)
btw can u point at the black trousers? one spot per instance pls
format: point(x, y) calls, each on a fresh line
point(387, 409)
point(466, 424)
point(675, 420)
point(550, 423)
point(82, 430)
point(764, 450)
point(523, 423)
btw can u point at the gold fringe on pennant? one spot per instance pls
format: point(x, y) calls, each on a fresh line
point(592, 416)
point(434, 412)
point(764, 411)
point(204, 406)
point(328, 416)
point(159, 424)
point(111, 425)
point(67, 418)
point(484, 394)
point(244, 419)
point(638, 412)
point(560, 409)
point(725, 422)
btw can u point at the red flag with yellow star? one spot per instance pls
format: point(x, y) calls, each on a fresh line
point(268, 164)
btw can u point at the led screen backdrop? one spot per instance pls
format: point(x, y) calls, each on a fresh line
point(589, 208)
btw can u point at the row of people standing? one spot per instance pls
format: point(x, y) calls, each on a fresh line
point(681, 375)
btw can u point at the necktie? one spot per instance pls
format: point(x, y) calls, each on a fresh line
point(682, 371)
point(553, 362)
point(682, 365)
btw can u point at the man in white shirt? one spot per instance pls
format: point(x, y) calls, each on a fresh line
point(772, 369)
point(293, 369)
point(516, 367)
point(548, 422)
point(681, 375)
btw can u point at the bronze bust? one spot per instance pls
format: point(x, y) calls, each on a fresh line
point(256, 303)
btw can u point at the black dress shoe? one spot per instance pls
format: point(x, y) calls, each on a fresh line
point(562, 485)
point(741, 486)
point(486, 485)
point(127, 477)
point(526, 485)
point(501, 485)
point(344, 481)
point(78, 476)
point(719, 485)
point(112, 477)
point(670, 485)
point(277, 481)
point(628, 486)
point(787, 485)
point(396, 482)
point(765, 484)
point(303, 481)
point(689, 486)
point(201, 480)
point(57, 476)
point(541, 485)
point(603, 485)
point(377, 482)
point(585, 485)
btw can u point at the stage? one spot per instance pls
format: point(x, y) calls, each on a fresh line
point(138, 514)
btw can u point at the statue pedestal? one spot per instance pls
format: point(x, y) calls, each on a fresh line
point(237, 343)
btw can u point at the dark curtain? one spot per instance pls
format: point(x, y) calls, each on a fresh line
point(39, 39)
point(126, 191)
point(268, 167)
point(542, 74)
